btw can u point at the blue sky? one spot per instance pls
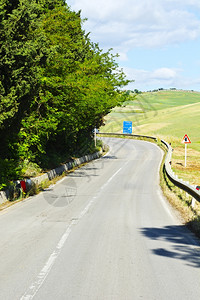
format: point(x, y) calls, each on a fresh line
point(158, 40)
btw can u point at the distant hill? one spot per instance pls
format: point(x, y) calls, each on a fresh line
point(168, 114)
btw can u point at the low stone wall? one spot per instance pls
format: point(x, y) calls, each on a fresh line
point(6, 195)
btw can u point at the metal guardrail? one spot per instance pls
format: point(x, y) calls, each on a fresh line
point(4, 195)
point(170, 174)
point(174, 178)
point(128, 134)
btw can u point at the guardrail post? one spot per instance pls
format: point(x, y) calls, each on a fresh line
point(193, 202)
point(184, 186)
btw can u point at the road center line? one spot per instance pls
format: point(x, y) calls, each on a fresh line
point(35, 286)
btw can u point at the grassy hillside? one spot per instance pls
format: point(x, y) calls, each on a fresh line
point(168, 115)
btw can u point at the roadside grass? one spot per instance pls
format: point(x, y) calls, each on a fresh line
point(182, 202)
point(191, 172)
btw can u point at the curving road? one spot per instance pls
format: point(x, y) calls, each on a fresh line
point(102, 233)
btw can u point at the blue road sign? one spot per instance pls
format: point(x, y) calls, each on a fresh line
point(127, 127)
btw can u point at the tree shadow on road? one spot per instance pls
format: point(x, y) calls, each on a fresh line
point(183, 246)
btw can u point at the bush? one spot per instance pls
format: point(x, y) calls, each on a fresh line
point(29, 169)
point(10, 171)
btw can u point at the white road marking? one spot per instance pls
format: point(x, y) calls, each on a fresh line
point(164, 204)
point(111, 178)
point(36, 285)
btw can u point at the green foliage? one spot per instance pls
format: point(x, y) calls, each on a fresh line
point(55, 84)
point(20, 55)
point(78, 86)
point(29, 169)
point(9, 172)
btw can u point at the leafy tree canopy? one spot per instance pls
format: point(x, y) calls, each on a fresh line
point(55, 84)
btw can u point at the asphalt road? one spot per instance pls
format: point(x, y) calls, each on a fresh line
point(103, 232)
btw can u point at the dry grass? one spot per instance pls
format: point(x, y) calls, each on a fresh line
point(182, 202)
point(191, 172)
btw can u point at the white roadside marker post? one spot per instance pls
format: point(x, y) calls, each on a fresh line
point(95, 136)
point(186, 141)
point(185, 155)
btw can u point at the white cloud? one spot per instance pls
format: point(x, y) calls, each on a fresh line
point(164, 74)
point(161, 77)
point(150, 26)
point(157, 74)
point(145, 23)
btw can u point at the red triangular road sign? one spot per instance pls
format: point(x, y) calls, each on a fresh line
point(186, 140)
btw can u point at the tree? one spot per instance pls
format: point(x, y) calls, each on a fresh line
point(21, 52)
point(79, 85)
point(56, 85)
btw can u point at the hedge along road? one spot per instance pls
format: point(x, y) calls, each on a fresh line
point(102, 232)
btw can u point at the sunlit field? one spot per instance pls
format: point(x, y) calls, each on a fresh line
point(167, 115)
